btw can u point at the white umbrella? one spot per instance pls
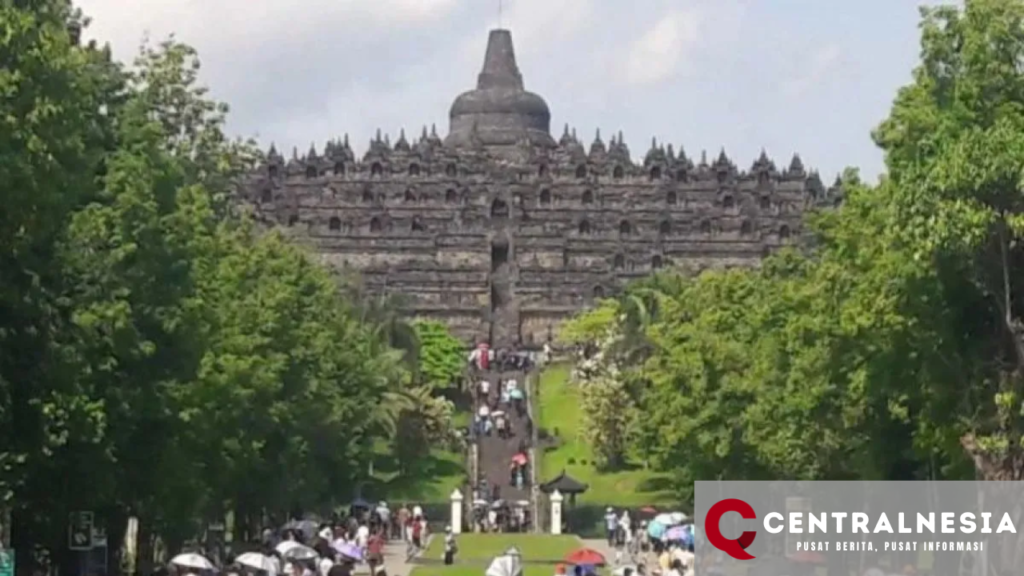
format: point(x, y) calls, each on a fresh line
point(671, 519)
point(300, 552)
point(506, 565)
point(285, 546)
point(192, 560)
point(678, 517)
point(257, 561)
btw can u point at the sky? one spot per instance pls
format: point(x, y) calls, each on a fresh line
point(807, 76)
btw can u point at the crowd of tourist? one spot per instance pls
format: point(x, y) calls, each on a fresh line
point(635, 542)
point(500, 411)
point(332, 548)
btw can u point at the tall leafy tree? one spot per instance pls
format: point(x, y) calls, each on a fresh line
point(954, 148)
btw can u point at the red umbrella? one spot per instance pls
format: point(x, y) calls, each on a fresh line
point(649, 510)
point(586, 556)
point(519, 459)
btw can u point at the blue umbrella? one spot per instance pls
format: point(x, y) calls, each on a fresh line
point(516, 394)
point(656, 530)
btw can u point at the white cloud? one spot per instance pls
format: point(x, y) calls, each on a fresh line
point(246, 24)
point(300, 72)
point(663, 48)
point(821, 65)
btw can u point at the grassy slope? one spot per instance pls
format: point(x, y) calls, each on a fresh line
point(442, 473)
point(559, 410)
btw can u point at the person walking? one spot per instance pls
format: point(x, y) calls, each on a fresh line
point(611, 526)
point(450, 546)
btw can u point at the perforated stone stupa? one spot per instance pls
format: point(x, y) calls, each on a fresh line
point(502, 232)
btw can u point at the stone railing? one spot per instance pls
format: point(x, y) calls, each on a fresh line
point(532, 380)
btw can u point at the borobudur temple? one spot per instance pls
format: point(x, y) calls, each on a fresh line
point(502, 232)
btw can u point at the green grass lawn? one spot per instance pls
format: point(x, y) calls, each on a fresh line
point(445, 471)
point(478, 570)
point(559, 413)
point(481, 548)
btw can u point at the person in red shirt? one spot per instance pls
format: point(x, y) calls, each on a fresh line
point(375, 551)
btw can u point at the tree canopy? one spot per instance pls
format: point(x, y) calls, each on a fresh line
point(160, 355)
point(891, 346)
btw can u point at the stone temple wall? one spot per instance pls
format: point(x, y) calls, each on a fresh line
point(506, 247)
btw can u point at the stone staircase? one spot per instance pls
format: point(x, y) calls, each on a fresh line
point(495, 453)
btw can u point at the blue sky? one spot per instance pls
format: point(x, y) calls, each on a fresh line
point(813, 76)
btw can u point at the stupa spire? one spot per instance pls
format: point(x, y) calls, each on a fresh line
point(500, 69)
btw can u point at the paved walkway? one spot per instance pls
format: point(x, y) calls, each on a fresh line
point(395, 561)
point(601, 545)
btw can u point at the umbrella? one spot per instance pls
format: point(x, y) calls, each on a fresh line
point(308, 528)
point(257, 561)
point(677, 533)
point(515, 394)
point(192, 560)
point(678, 517)
point(349, 550)
point(498, 413)
point(523, 503)
point(285, 546)
point(508, 564)
point(300, 552)
point(671, 519)
point(361, 503)
point(585, 556)
point(519, 459)
point(497, 504)
point(649, 510)
point(479, 502)
point(656, 529)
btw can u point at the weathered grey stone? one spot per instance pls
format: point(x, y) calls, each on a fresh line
point(503, 233)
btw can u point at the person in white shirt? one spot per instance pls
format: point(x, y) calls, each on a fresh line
point(485, 389)
point(362, 535)
point(492, 520)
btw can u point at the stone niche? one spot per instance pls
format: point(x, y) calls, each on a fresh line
point(528, 258)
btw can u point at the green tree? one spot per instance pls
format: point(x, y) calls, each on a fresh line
point(954, 148)
point(56, 127)
point(442, 357)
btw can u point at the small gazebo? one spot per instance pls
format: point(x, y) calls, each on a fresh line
point(566, 485)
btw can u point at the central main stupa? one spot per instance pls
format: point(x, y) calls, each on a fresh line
point(499, 113)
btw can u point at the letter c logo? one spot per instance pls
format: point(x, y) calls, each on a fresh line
point(736, 548)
